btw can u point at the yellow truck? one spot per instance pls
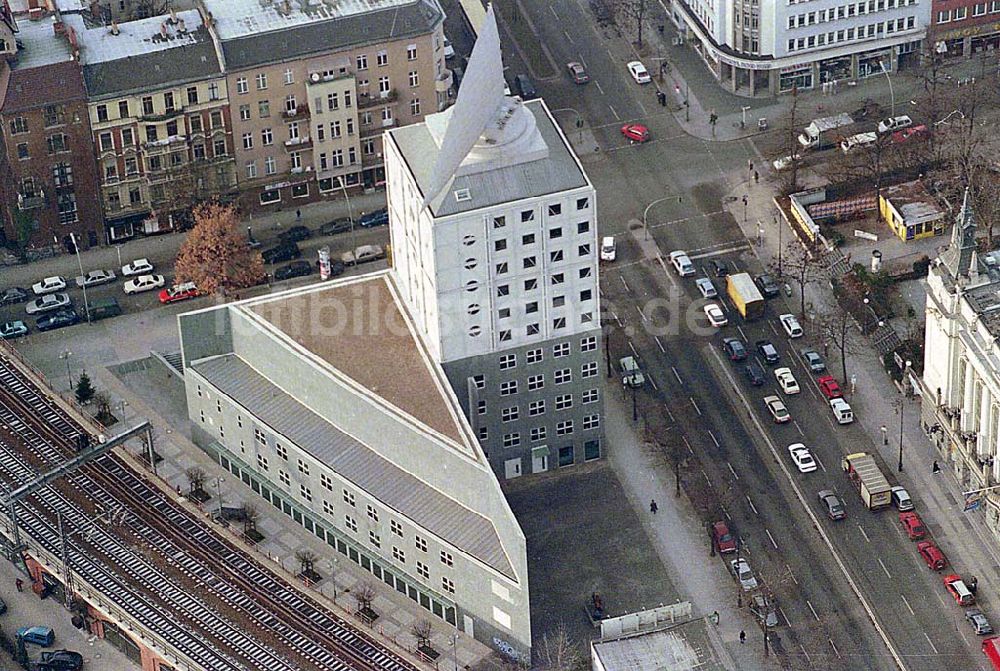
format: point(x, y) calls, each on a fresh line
point(745, 295)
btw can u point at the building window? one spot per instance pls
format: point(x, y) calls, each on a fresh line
point(498, 222)
point(248, 140)
point(414, 79)
point(588, 344)
point(582, 203)
point(500, 245)
point(527, 215)
point(415, 107)
point(53, 115)
point(251, 169)
point(283, 477)
point(244, 112)
point(305, 493)
point(534, 355)
point(481, 406)
point(591, 422)
point(505, 335)
point(555, 209)
point(536, 408)
point(281, 451)
point(508, 388)
point(501, 268)
point(511, 440)
point(328, 508)
point(508, 361)
point(18, 125)
point(351, 523)
point(396, 528)
point(382, 58)
point(362, 62)
point(411, 52)
point(102, 112)
point(192, 95)
point(420, 543)
point(270, 166)
point(583, 227)
point(591, 396)
point(372, 513)
point(536, 382)
point(561, 349)
point(588, 369)
point(447, 585)
point(128, 138)
point(447, 559)
point(289, 76)
point(57, 143)
point(266, 137)
point(422, 570)
point(259, 436)
point(398, 555)
point(528, 239)
point(326, 481)
point(564, 428)
point(531, 284)
point(509, 414)
point(531, 329)
point(558, 278)
point(538, 433)
point(303, 467)
point(22, 150)
point(261, 81)
point(503, 290)
point(564, 401)
point(480, 381)
point(349, 498)
point(563, 376)
point(241, 85)
point(374, 539)
point(261, 462)
point(583, 250)
point(556, 256)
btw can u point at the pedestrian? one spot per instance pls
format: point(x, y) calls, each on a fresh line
point(652, 506)
point(756, 177)
point(715, 616)
point(973, 584)
point(298, 215)
point(743, 636)
point(935, 468)
point(19, 584)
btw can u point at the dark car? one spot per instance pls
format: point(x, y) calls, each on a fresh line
point(768, 287)
point(60, 660)
point(341, 225)
point(283, 252)
point(754, 373)
point(295, 234)
point(834, 508)
point(768, 351)
point(293, 269)
point(14, 295)
point(734, 349)
point(524, 87)
point(721, 268)
point(57, 320)
point(374, 218)
point(813, 360)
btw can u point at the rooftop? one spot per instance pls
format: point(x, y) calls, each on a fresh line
point(654, 651)
point(39, 44)
point(99, 44)
point(913, 202)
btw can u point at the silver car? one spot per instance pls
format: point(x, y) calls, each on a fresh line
point(979, 621)
point(47, 303)
point(95, 278)
point(742, 572)
point(706, 287)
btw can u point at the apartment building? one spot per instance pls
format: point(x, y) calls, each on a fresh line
point(158, 108)
point(327, 403)
point(313, 86)
point(47, 168)
point(766, 47)
point(494, 235)
point(964, 27)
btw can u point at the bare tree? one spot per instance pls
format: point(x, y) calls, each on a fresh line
point(422, 630)
point(250, 515)
point(196, 478)
point(838, 328)
point(790, 132)
point(558, 651)
point(307, 560)
point(803, 267)
point(985, 195)
point(364, 594)
point(631, 14)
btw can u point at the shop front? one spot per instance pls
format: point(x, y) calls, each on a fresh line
point(123, 228)
point(795, 77)
point(870, 63)
point(836, 69)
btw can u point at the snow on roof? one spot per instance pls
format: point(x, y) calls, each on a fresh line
point(240, 18)
point(98, 44)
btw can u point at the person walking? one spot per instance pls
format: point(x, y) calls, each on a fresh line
point(935, 468)
point(19, 584)
point(756, 177)
point(743, 636)
point(652, 506)
point(298, 215)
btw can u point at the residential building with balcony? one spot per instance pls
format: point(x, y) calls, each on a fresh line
point(314, 85)
point(47, 169)
point(964, 27)
point(158, 107)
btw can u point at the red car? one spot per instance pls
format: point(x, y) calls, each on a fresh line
point(959, 590)
point(724, 541)
point(635, 132)
point(905, 134)
point(913, 525)
point(932, 555)
point(828, 385)
point(179, 292)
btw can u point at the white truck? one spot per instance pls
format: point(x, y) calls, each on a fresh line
point(825, 132)
point(868, 479)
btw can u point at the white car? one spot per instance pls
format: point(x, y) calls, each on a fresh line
point(608, 249)
point(802, 457)
point(791, 325)
point(144, 283)
point(715, 315)
point(741, 570)
point(785, 162)
point(894, 123)
point(706, 287)
point(48, 285)
point(137, 267)
point(777, 409)
point(786, 380)
point(47, 303)
point(682, 264)
point(95, 278)
point(638, 72)
point(841, 411)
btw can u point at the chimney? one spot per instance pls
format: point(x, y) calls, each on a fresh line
point(180, 26)
point(173, 15)
point(114, 28)
point(288, 6)
point(59, 28)
point(163, 29)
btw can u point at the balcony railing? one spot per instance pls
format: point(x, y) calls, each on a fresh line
point(164, 143)
point(380, 98)
point(164, 116)
point(297, 112)
point(301, 142)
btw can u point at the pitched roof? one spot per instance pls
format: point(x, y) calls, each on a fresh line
point(46, 85)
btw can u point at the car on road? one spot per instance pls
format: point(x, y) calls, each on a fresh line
point(768, 287)
point(901, 499)
point(932, 555)
point(814, 362)
point(768, 351)
point(894, 123)
point(723, 539)
point(802, 458)
point(791, 325)
point(43, 636)
point(785, 162)
point(577, 72)
point(362, 254)
point(138, 285)
point(137, 267)
point(754, 373)
point(48, 303)
point(340, 225)
point(786, 380)
point(95, 278)
point(834, 508)
point(706, 288)
point(841, 411)
point(734, 349)
point(286, 251)
point(631, 373)
point(609, 251)
point(721, 268)
point(635, 132)
point(901, 136)
point(638, 72)
point(449, 50)
point(980, 624)
point(681, 262)
point(13, 329)
point(14, 295)
point(179, 292)
point(716, 317)
point(777, 409)
point(829, 387)
point(59, 660)
point(48, 285)
point(525, 87)
point(742, 572)
point(959, 591)
point(913, 525)
point(763, 607)
point(293, 269)
point(295, 234)
point(379, 217)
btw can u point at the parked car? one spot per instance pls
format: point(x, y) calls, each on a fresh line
point(813, 360)
point(706, 288)
point(631, 373)
point(43, 636)
point(525, 87)
point(901, 136)
point(374, 218)
point(48, 303)
point(768, 287)
point(95, 278)
point(829, 387)
point(635, 132)
point(341, 225)
point(137, 267)
point(980, 624)
point(638, 72)
point(716, 317)
point(932, 555)
point(785, 162)
point(901, 499)
point(293, 269)
point(754, 373)
point(138, 285)
point(720, 267)
point(743, 574)
point(834, 508)
point(103, 308)
point(578, 73)
point(763, 607)
point(786, 380)
point(734, 349)
point(14, 295)
point(13, 329)
point(608, 248)
point(724, 541)
point(286, 251)
point(802, 458)
point(841, 411)
point(362, 254)
point(959, 591)
point(791, 325)
point(777, 409)
point(179, 292)
point(60, 660)
point(57, 320)
point(768, 351)
point(682, 263)
point(894, 123)
point(913, 525)
point(295, 234)
point(48, 285)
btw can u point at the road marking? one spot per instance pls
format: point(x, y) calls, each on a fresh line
point(653, 382)
point(791, 574)
point(806, 654)
point(796, 423)
point(834, 646)
point(677, 375)
point(742, 334)
point(736, 265)
point(887, 574)
point(632, 347)
point(553, 10)
point(862, 530)
point(624, 284)
point(657, 339)
point(817, 460)
point(941, 599)
point(723, 305)
point(931, 643)
point(697, 409)
point(615, 315)
point(715, 440)
point(752, 507)
point(639, 310)
point(732, 471)
point(908, 607)
point(771, 538)
point(598, 85)
point(733, 244)
point(719, 252)
point(784, 616)
point(773, 328)
point(831, 422)
point(568, 38)
point(809, 603)
point(687, 444)
point(706, 476)
point(614, 113)
point(644, 112)
point(670, 414)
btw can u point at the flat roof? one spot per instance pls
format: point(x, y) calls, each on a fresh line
point(39, 45)
point(655, 651)
point(913, 202)
point(134, 38)
point(359, 328)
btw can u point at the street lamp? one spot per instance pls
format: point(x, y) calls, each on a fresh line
point(885, 435)
point(122, 405)
point(902, 402)
point(454, 648)
point(578, 122)
point(65, 355)
point(746, 200)
point(743, 120)
point(332, 565)
point(892, 96)
point(76, 248)
point(778, 226)
point(645, 215)
point(218, 486)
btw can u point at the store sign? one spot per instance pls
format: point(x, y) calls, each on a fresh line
point(971, 31)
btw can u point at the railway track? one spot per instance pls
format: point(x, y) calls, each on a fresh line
point(241, 588)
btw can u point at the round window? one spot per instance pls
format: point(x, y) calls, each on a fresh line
point(474, 331)
point(471, 285)
point(469, 240)
point(473, 309)
point(470, 264)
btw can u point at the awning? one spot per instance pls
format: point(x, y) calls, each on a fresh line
point(542, 451)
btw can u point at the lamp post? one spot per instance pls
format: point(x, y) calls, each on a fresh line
point(65, 356)
point(777, 225)
point(743, 119)
point(645, 215)
point(746, 200)
point(218, 486)
point(892, 96)
point(454, 648)
point(578, 122)
point(79, 261)
point(332, 565)
point(350, 211)
point(122, 404)
point(902, 402)
point(885, 435)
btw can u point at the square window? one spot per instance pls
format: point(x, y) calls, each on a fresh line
point(531, 285)
point(531, 329)
point(586, 295)
point(556, 256)
point(259, 436)
point(420, 543)
point(538, 433)
point(326, 481)
point(564, 428)
point(558, 278)
point(536, 382)
point(555, 209)
point(447, 585)
point(585, 272)
point(536, 408)
point(558, 301)
point(528, 239)
point(559, 323)
point(564, 401)
point(583, 227)
point(555, 233)
point(501, 268)
point(503, 313)
point(508, 361)
point(582, 203)
point(588, 344)
point(500, 245)
point(483, 433)
point(422, 570)
point(591, 422)
point(509, 414)
point(481, 407)
point(563, 376)
point(591, 396)
point(398, 555)
point(351, 523)
point(505, 335)
point(529, 262)
point(511, 440)
point(588, 369)
point(306, 494)
point(527, 215)
point(349, 498)
point(374, 539)
point(508, 388)
point(531, 308)
point(447, 559)
point(283, 477)
point(480, 381)
point(499, 222)
point(372, 513)
point(503, 290)
point(535, 355)
point(303, 467)
point(561, 349)
point(583, 250)
point(327, 508)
